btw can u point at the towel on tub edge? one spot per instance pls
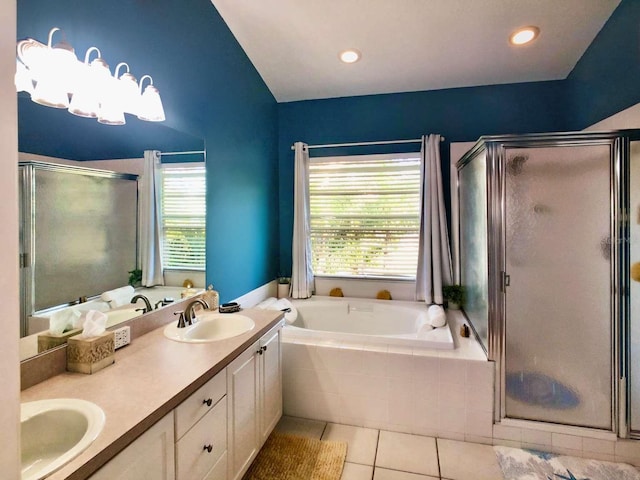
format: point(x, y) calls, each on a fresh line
point(282, 304)
point(437, 317)
point(118, 297)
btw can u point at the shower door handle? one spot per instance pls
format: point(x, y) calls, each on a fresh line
point(506, 281)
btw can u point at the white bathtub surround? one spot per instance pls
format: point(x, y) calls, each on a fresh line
point(445, 393)
point(361, 321)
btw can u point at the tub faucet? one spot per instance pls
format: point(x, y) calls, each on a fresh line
point(189, 315)
point(147, 304)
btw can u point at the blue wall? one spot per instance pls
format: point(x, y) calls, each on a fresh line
point(606, 79)
point(460, 115)
point(209, 89)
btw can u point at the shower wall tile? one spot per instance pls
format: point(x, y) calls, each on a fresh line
point(504, 432)
point(594, 445)
point(561, 440)
point(538, 437)
point(629, 450)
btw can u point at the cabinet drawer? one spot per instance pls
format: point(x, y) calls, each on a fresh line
point(203, 400)
point(219, 470)
point(193, 460)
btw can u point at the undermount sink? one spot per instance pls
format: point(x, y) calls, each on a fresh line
point(210, 327)
point(54, 432)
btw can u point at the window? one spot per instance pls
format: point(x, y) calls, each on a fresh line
point(365, 215)
point(183, 215)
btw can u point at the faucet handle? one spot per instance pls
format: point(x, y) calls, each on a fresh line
point(181, 322)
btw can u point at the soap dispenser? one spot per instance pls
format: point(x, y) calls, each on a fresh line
point(212, 298)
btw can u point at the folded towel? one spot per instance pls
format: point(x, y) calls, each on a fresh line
point(118, 297)
point(284, 305)
point(437, 317)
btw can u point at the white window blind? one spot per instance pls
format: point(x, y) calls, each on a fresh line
point(365, 215)
point(183, 215)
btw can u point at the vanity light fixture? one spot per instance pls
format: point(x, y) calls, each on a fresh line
point(524, 35)
point(350, 56)
point(151, 108)
point(53, 76)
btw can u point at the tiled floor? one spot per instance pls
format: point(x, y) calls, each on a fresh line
point(381, 455)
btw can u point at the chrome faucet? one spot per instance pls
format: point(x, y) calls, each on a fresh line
point(189, 315)
point(147, 304)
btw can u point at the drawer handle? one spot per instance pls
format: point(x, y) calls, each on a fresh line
point(208, 402)
point(259, 352)
point(264, 348)
point(208, 448)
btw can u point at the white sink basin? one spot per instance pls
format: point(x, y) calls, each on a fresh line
point(210, 327)
point(54, 432)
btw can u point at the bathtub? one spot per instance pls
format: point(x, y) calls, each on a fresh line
point(380, 322)
point(363, 362)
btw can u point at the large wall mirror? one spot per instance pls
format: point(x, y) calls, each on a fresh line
point(51, 136)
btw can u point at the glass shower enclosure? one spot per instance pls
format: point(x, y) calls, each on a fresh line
point(544, 256)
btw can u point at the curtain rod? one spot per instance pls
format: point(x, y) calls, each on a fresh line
point(182, 153)
point(361, 144)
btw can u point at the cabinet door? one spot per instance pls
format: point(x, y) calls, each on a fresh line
point(270, 383)
point(242, 403)
point(149, 457)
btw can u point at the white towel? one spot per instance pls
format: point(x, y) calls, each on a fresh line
point(283, 304)
point(437, 317)
point(118, 297)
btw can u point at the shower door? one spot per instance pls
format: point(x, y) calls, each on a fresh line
point(557, 284)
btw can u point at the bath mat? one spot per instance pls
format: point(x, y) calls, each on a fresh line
point(519, 464)
point(289, 457)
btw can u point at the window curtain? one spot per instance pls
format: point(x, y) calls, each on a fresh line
point(434, 254)
point(301, 272)
point(150, 221)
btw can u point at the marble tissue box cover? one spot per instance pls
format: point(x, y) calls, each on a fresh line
point(88, 355)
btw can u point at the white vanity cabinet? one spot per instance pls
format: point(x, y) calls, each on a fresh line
point(254, 399)
point(149, 457)
point(201, 432)
point(189, 443)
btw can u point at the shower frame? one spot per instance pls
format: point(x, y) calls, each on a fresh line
point(495, 148)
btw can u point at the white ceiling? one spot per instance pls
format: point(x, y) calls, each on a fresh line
point(408, 45)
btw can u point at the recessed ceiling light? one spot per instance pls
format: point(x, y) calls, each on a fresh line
point(524, 35)
point(350, 56)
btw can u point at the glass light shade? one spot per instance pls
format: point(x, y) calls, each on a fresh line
point(63, 64)
point(84, 103)
point(151, 109)
point(50, 93)
point(111, 115)
point(129, 92)
point(23, 80)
